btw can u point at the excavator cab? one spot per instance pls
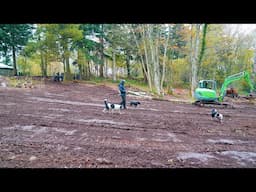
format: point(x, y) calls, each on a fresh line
point(207, 84)
point(206, 91)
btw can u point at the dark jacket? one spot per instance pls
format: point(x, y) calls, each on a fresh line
point(122, 88)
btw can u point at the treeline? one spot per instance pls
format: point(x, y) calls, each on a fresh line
point(161, 55)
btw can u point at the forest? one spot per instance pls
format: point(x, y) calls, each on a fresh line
point(161, 56)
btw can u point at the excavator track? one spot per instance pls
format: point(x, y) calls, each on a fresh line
point(203, 103)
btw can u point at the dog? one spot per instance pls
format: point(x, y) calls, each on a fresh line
point(112, 107)
point(134, 103)
point(216, 115)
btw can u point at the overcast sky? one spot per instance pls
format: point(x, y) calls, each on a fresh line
point(245, 28)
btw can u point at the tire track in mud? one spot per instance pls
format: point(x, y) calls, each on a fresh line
point(63, 130)
point(195, 112)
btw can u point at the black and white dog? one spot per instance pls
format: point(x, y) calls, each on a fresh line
point(134, 103)
point(217, 115)
point(111, 107)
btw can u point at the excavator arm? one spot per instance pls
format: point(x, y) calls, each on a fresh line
point(242, 75)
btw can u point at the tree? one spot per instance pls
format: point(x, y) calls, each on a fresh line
point(139, 36)
point(177, 67)
point(5, 53)
point(202, 49)
point(25, 54)
point(117, 41)
point(101, 49)
point(89, 47)
point(127, 44)
point(166, 40)
point(68, 34)
point(195, 40)
point(13, 37)
point(152, 45)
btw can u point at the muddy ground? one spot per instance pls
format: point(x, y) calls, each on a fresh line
point(60, 125)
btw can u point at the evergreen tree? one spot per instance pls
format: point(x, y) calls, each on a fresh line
point(13, 37)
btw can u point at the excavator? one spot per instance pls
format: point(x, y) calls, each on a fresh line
point(206, 92)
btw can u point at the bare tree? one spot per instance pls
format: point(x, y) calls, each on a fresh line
point(114, 65)
point(195, 41)
point(164, 59)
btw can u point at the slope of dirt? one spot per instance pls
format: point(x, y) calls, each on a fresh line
point(62, 125)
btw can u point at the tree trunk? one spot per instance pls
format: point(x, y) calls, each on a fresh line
point(146, 60)
point(14, 61)
point(42, 63)
point(254, 63)
point(6, 57)
point(144, 67)
point(154, 58)
point(66, 54)
point(80, 63)
point(164, 59)
point(194, 58)
point(106, 67)
point(144, 70)
point(101, 70)
point(102, 54)
point(88, 70)
point(45, 65)
point(199, 73)
point(114, 66)
point(64, 64)
point(25, 69)
point(97, 70)
point(128, 64)
point(67, 73)
point(84, 69)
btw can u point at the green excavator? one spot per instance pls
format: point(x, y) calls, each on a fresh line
point(206, 92)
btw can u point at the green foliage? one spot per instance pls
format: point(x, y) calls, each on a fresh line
point(90, 47)
point(178, 41)
point(12, 38)
point(222, 53)
point(202, 50)
point(29, 66)
point(15, 35)
point(180, 73)
point(136, 71)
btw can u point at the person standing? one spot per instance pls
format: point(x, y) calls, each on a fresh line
point(122, 93)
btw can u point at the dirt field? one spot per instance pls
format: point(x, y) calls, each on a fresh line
point(60, 125)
